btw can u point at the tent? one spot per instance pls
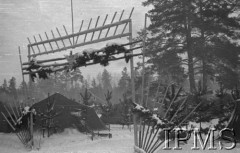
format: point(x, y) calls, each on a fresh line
point(66, 108)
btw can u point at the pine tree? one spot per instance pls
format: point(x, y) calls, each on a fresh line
point(106, 80)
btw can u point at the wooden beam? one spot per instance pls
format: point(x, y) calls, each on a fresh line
point(111, 23)
point(128, 18)
point(61, 64)
point(83, 44)
point(88, 29)
point(31, 45)
point(82, 32)
point(48, 41)
point(21, 64)
point(43, 44)
point(67, 34)
point(63, 58)
point(54, 37)
point(103, 25)
point(64, 64)
point(60, 37)
point(119, 20)
point(95, 27)
point(36, 42)
point(80, 29)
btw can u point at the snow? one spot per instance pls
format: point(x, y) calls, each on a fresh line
point(89, 50)
point(112, 44)
point(26, 110)
point(71, 141)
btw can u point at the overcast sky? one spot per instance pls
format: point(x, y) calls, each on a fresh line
point(24, 18)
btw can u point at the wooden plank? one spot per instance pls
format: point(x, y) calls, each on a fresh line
point(21, 64)
point(63, 58)
point(88, 29)
point(49, 41)
point(102, 25)
point(60, 37)
point(111, 23)
point(64, 64)
point(8, 121)
point(95, 27)
point(83, 44)
point(37, 45)
point(31, 45)
point(119, 20)
point(54, 37)
point(43, 44)
point(80, 29)
point(67, 34)
point(83, 32)
point(128, 18)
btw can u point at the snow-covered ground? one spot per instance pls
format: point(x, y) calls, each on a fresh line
point(71, 141)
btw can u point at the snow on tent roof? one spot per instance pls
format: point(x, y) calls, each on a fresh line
point(65, 106)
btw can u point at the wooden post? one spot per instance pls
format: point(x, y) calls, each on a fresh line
point(143, 60)
point(72, 20)
point(31, 129)
point(133, 87)
point(135, 127)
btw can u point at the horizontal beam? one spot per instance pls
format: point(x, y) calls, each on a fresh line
point(81, 33)
point(61, 64)
point(61, 69)
point(63, 58)
point(82, 44)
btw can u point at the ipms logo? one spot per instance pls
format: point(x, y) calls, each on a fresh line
point(225, 134)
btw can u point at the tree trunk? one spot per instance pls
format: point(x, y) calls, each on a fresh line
point(204, 64)
point(188, 28)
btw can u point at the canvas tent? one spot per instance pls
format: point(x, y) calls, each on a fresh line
point(66, 109)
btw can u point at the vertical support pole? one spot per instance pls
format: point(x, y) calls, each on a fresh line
point(31, 129)
point(133, 86)
point(143, 60)
point(30, 79)
point(72, 20)
point(20, 58)
point(135, 128)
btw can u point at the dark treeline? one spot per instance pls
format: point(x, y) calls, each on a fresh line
point(70, 84)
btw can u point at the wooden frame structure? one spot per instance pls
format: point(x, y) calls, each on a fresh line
point(66, 42)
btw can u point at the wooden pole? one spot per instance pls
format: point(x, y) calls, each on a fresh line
point(103, 25)
point(87, 29)
point(31, 129)
point(80, 29)
point(20, 58)
point(119, 20)
point(133, 87)
point(111, 23)
point(72, 20)
point(143, 59)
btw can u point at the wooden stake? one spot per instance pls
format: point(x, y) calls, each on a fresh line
point(42, 40)
point(60, 37)
point(54, 37)
point(111, 23)
point(80, 29)
point(67, 34)
point(95, 27)
point(119, 20)
point(102, 25)
point(88, 29)
point(36, 42)
point(49, 41)
point(31, 45)
point(128, 18)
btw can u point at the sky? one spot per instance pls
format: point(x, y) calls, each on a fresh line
point(21, 19)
